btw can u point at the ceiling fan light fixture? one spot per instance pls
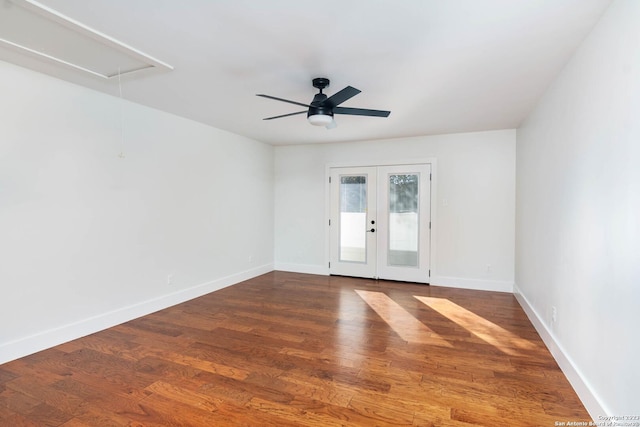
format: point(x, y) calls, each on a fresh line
point(320, 119)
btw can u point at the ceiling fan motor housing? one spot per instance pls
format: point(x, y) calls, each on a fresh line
point(316, 107)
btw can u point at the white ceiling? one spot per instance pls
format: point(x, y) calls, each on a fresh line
point(440, 66)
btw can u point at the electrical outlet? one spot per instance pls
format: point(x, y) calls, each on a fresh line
point(554, 314)
point(250, 259)
point(170, 279)
point(489, 268)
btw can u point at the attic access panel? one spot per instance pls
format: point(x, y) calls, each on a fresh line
point(33, 29)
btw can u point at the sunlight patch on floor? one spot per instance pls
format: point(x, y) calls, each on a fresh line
point(400, 320)
point(487, 331)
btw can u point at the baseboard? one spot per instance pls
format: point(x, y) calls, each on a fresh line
point(589, 398)
point(31, 344)
point(303, 268)
point(451, 282)
point(477, 284)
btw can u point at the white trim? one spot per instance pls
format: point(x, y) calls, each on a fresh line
point(303, 268)
point(23, 49)
point(477, 284)
point(83, 30)
point(365, 163)
point(31, 344)
point(585, 392)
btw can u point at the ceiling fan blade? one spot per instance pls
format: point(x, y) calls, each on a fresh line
point(361, 112)
point(283, 100)
point(340, 97)
point(285, 115)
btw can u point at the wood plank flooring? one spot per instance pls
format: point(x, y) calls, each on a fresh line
point(288, 349)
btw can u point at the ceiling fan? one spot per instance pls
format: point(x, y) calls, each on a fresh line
point(321, 110)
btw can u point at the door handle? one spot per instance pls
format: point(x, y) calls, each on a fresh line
point(373, 230)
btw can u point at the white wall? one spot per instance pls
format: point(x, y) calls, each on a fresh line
point(88, 239)
point(475, 177)
point(578, 214)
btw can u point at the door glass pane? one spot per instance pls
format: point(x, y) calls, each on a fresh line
point(403, 220)
point(353, 218)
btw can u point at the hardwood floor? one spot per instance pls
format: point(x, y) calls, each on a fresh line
point(289, 349)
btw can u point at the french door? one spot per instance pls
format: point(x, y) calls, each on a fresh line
point(380, 222)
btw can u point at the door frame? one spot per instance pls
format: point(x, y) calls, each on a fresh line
point(372, 163)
